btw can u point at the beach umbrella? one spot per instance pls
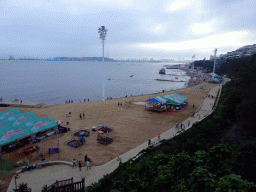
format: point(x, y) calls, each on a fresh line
point(82, 133)
point(59, 122)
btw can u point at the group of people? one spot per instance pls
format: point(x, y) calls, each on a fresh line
point(210, 96)
point(151, 144)
point(86, 160)
point(120, 103)
point(181, 125)
point(68, 115)
point(154, 143)
point(69, 101)
point(108, 98)
point(81, 115)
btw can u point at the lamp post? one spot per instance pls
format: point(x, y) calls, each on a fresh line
point(16, 177)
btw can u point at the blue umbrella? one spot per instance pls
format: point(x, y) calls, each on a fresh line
point(82, 133)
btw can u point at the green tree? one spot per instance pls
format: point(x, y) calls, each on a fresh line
point(23, 187)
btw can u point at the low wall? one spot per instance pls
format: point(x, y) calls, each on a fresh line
point(49, 163)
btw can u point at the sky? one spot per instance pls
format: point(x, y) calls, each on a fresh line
point(159, 29)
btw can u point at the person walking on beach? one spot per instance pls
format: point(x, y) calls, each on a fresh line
point(83, 114)
point(80, 165)
point(80, 116)
point(193, 106)
point(188, 123)
point(85, 100)
point(121, 104)
point(149, 142)
point(88, 99)
point(158, 137)
point(88, 165)
point(74, 163)
point(69, 100)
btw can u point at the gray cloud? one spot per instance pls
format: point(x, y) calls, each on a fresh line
point(69, 28)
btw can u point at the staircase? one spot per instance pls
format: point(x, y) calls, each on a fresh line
point(67, 186)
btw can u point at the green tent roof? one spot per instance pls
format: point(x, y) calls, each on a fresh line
point(5, 114)
point(215, 80)
point(174, 99)
point(18, 125)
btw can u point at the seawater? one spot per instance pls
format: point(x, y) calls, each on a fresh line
point(54, 82)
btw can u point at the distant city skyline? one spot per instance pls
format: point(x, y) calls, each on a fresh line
point(141, 29)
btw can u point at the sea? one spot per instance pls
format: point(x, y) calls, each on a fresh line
point(55, 82)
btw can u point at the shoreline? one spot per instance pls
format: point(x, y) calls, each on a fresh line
point(131, 124)
point(189, 84)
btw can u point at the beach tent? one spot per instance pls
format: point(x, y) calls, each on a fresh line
point(201, 88)
point(17, 127)
point(9, 113)
point(157, 100)
point(214, 80)
point(174, 99)
point(157, 107)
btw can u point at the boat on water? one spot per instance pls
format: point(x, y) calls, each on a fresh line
point(132, 75)
point(162, 71)
point(109, 79)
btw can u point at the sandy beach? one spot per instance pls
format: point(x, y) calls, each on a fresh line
point(132, 125)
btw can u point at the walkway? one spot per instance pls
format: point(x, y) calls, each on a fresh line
point(48, 175)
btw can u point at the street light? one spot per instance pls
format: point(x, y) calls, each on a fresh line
point(16, 177)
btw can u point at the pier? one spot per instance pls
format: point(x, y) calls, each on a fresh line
point(19, 104)
point(169, 80)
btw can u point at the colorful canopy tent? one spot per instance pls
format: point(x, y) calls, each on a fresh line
point(9, 113)
point(157, 100)
point(19, 126)
point(174, 99)
point(158, 106)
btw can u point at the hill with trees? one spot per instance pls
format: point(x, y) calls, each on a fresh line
point(216, 154)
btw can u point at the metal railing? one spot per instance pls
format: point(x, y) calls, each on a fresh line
point(67, 185)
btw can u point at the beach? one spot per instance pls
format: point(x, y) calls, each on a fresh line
point(132, 125)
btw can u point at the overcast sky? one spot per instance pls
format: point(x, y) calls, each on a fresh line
point(136, 28)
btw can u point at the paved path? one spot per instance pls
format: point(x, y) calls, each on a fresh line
point(48, 175)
